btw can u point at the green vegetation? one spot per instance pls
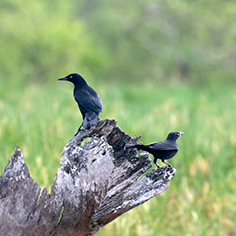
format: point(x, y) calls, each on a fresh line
point(200, 199)
point(158, 66)
point(118, 40)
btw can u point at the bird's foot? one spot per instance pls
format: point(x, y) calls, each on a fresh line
point(157, 166)
point(169, 165)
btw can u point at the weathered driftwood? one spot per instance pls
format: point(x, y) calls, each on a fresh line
point(97, 182)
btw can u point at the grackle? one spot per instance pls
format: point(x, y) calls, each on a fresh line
point(161, 150)
point(89, 103)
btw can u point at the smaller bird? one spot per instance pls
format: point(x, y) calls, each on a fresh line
point(162, 150)
point(88, 101)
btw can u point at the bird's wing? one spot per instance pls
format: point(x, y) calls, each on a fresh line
point(163, 145)
point(88, 100)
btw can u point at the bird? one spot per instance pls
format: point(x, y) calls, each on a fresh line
point(162, 150)
point(88, 101)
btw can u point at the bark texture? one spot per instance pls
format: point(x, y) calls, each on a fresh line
point(98, 181)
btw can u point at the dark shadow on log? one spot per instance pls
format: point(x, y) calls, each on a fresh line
point(96, 183)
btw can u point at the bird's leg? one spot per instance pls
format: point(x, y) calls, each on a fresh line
point(78, 129)
point(155, 162)
point(167, 163)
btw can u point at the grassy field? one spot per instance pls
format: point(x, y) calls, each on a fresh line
point(201, 198)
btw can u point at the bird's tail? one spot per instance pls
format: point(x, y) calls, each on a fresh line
point(142, 147)
point(90, 119)
point(138, 146)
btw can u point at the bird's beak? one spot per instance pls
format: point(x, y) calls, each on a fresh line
point(63, 78)
point(181, 133)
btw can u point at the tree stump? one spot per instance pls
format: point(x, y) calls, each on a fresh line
point(98, 181)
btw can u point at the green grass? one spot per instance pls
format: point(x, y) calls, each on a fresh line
point(201, 198)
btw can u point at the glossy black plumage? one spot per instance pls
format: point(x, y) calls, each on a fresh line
point(162, 150)
point(88, 101)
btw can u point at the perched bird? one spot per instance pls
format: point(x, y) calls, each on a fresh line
point(89, 103)
point(161, 150)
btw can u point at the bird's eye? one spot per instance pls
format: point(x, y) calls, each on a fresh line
point(71, 77)
point(178, 134)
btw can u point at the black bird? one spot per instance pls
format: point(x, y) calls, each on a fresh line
point(89, 103)
point(161, 150)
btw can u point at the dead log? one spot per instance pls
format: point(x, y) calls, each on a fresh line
point(98, 181)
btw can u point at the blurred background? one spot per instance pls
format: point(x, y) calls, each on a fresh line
point(158, 66)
